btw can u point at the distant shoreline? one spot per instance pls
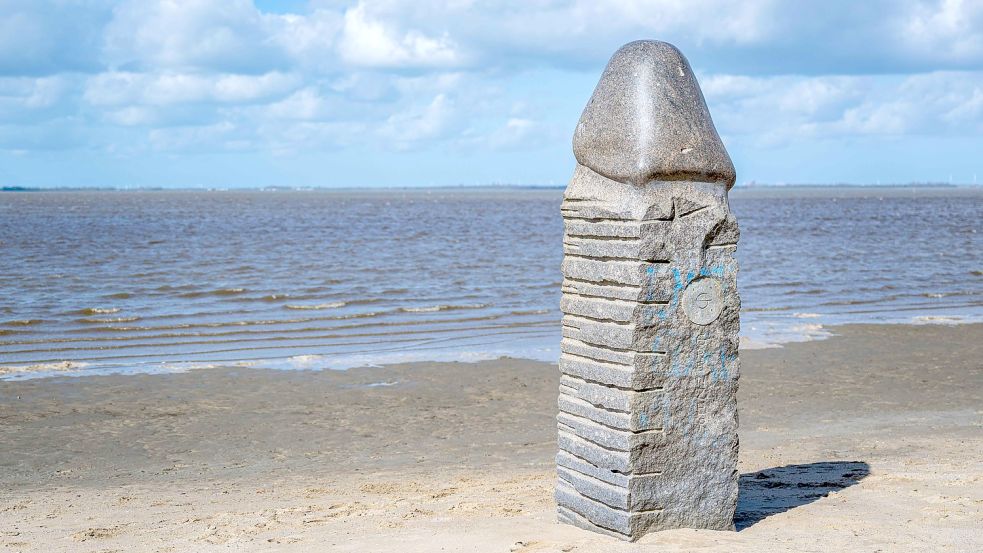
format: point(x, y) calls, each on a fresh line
point(451, 188)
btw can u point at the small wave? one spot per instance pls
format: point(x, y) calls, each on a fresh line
point(104, 320)
point(935, 295)
point(304, 362)
point(219, 292)
point(24, 322)
point(763, 309)
point(435, 308)
point(776, 283)
point(529, 312)
point(976, 273)
point(807, 329)
point(98, 310)
point(806, 315)
point(172, 288)
point(939, 319)
point(395, 291)
point(884, 299)
point(274, 297)
point(751, 343)
point(118, 296)
point(318, 306)
point(61, 366)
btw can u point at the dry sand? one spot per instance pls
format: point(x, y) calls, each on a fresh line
point(868, 441)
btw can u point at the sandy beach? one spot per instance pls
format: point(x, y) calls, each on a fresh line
point(868, 441)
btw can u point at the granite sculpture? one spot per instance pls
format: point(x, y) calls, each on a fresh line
point(649, 362)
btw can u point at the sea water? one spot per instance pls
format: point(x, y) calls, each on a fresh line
point(158, 281)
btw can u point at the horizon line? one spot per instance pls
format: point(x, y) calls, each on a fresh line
point(444, 187)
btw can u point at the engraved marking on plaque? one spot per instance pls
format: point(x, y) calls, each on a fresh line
point(703, 300)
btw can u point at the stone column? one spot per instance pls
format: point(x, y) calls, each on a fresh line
point(648, 407)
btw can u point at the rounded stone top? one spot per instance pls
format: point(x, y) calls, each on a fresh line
point(647, 121)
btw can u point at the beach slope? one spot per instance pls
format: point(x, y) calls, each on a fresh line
point(870, 440)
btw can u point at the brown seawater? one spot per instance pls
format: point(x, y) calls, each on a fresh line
point(151, 281)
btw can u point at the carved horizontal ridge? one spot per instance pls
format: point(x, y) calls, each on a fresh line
point(607, 354)
point(598, 423)
point(570, 215)
point(601, 427)
point(602, 284)
point(575, 332)
point(615, 474)
point(600, 363)
point(601, 240)
point(622, 359)
point(602, 299)
point(571, 380)
point(606, 506)
point(572, 435)
point(596, 214)
point(629, 302)
point(694, 212)
point(568, 515)
point(611, 221)
point(612, 387)
point(586, 345)
point(606, 426)
point(605, 258)
point(618, 376)
point(568, 475)
point(587, 405)
point(574, 292)
point(602, 237)
point(587, 229)
point(596, 320)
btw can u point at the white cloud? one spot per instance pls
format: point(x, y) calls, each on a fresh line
point(934, 103)
point(177, 75)
point(370, 42)
point(309, 40)
point(294, 137)
point(305, 104)
point(35, 99)
point(780, 109)
point(42, 37)
point(217, 35)
point(950, 29)
point(196, 137)
point(520, 132)
point(405, 129)
point(161, 89)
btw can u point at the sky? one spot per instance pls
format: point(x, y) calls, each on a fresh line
point(240, 93)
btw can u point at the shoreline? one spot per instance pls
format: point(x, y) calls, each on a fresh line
point(742, 187)
point(869, 439)
point(811, 330)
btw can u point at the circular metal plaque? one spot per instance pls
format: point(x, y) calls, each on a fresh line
point(703, 300)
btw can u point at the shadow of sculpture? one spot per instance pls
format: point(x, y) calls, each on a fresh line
point(779, 489)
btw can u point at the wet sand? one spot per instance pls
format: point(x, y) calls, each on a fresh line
point(868, 441)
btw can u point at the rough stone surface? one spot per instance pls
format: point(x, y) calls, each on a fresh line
point(647, 120)
point(648, 410)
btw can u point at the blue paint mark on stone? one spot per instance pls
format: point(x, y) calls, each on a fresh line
point(724, 359)
point(713, 271)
